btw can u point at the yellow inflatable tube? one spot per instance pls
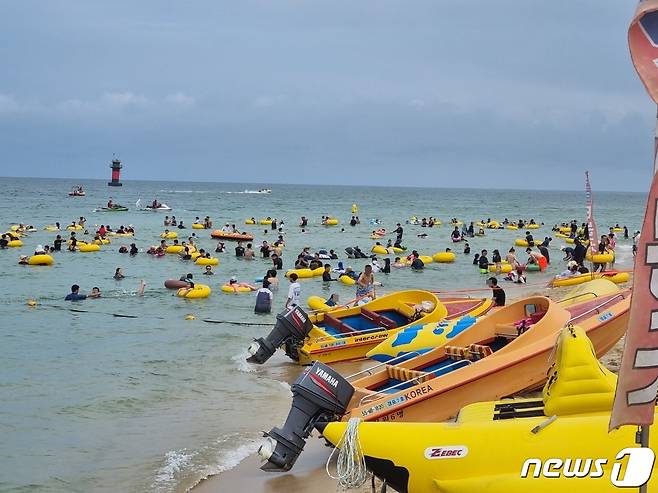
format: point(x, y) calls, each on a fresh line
point(88, 247)
point(301, 273)
point(102, 241)
point(15, 243)
point(226, 288)
point(198, 226)
point(174, 249)
point(426, 259)
point(207, 261)
point(347, 280)
point(531, 226)
point(265, 222)
point(504, 268)
point(512, 226)
point(169, 236)
point(249, 221)
point(444, 257)
point(317, 303)
point(51, 228)
point(379, 249)
point(600, 258)
point(520, 242)
point(77, 227)
point(198, 291)
point(40, 260)
point(331, 221)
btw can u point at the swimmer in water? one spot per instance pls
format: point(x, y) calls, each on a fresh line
point(234, 284)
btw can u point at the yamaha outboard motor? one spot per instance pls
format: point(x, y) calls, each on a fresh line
point(319, 395)
point(291, 329)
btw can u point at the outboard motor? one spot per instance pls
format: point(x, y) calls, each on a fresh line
point(319, 395)
point(291, 329)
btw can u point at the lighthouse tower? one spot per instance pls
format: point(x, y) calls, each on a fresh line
point(116, 172)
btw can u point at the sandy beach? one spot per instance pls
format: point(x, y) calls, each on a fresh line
point(308, 475)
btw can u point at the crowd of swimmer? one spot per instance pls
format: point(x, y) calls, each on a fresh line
point(187, 250)
point(538, 256)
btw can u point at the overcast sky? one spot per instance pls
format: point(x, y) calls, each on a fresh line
point(517, 94)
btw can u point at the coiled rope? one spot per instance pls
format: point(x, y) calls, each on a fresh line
point(351, 471)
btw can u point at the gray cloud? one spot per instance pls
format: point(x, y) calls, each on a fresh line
point(504, 94)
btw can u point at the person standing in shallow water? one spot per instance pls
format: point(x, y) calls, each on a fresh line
point(75, 295)
point(498, 294)
point(294, 292)
point(365, 283)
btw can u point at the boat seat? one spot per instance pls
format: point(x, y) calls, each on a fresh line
point(508, 331)
point(405, 374)
point(406, 309)
point(337, 324)
point(380, 320)
point(456, 352)
point(478, 351)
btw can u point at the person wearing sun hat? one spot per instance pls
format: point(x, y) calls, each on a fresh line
point(572, 270)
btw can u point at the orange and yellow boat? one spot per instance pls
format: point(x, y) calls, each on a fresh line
point(500, 355)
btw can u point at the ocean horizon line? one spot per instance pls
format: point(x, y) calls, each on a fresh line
point(319, 185)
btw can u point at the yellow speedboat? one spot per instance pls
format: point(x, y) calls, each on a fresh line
point(349, 333)
point(556, 443)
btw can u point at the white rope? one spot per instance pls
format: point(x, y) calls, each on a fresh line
point(351, 464)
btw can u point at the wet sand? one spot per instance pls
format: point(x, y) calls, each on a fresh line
point(308, 475)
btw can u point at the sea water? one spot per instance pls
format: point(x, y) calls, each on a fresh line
point(124, 394)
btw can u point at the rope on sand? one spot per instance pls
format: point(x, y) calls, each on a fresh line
point(351, 464)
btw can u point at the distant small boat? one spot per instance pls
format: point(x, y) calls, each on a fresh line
point(77, 191)
point(260, 190)
point(116, 208)
point(160, 207)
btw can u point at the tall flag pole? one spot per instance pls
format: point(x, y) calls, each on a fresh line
point(635, 397)
point(591, 225)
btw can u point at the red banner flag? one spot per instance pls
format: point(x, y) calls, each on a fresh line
point(637, 385)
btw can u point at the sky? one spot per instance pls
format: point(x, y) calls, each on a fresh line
point(504, 94)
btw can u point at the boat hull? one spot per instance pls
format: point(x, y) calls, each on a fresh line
point(519, 366)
